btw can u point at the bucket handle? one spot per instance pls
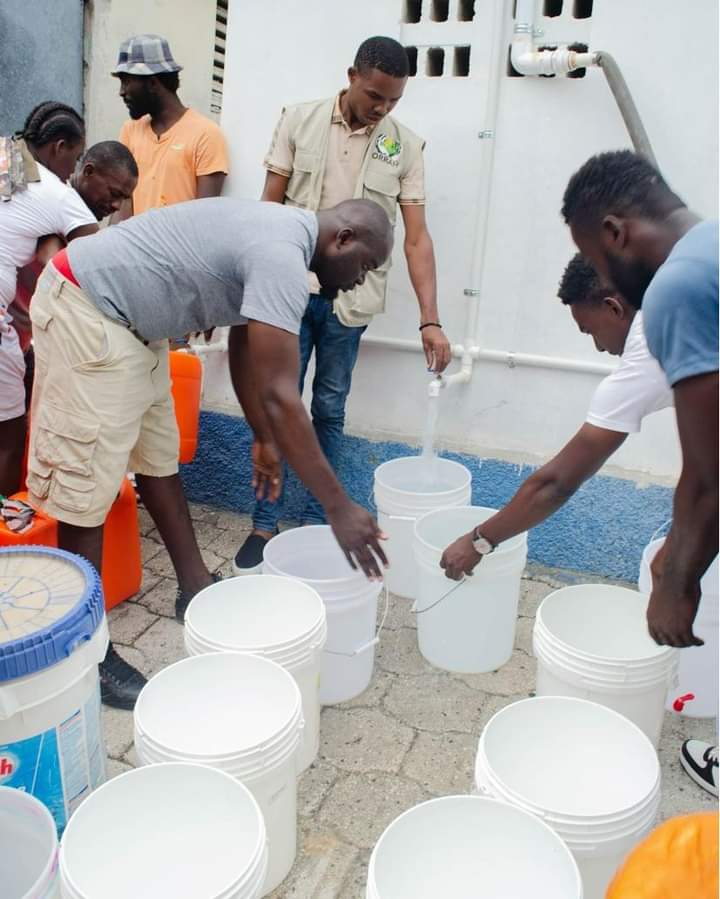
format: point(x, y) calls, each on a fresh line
point(414, 609)
point(661, 528)
point(375, 640)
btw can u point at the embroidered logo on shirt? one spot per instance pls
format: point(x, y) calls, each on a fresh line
point(177, 146)
point(387, 149)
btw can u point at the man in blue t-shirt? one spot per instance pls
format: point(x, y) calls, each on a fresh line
point(643, 240)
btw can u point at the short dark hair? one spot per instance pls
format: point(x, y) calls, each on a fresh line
point(617, 183)
point(580, 283)
point(110, 154)
point(169, 80)
point(51, 121)
point(384, 54)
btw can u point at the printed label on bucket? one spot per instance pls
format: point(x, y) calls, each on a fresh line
point(60, 766)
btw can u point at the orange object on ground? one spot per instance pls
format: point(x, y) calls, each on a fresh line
point(186, 377)
point(121, 559)
point(679, 860)
point(43, 530)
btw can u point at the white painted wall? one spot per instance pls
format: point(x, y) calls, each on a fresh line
point(284, 51)
point(188, 25)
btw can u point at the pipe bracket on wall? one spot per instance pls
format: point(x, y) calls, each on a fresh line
point(471, 292)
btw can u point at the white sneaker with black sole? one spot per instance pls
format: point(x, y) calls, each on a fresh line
point(700, 760)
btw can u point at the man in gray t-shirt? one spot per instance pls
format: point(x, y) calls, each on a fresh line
point(101, 316)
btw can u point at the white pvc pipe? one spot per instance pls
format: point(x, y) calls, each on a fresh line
point(529, 61)
point(506, 357)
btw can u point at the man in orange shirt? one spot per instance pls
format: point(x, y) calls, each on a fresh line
point(181, 155)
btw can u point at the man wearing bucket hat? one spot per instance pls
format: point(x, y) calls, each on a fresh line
point(642, 238)
point(621, 401)
point(181, 154)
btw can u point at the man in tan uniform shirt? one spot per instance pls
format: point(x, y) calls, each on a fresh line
point(323, 152)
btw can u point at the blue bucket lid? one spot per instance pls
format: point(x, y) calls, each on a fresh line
point(51, 601)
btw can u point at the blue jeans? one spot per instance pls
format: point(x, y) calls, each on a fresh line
point(336, 350)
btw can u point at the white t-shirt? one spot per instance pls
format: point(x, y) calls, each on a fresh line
point(47, 206)
point(636, 388)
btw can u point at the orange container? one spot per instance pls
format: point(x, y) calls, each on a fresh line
point(186, 378)
point(42, 532)
point(121, 559)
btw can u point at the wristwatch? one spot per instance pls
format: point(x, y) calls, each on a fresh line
point(481, 545)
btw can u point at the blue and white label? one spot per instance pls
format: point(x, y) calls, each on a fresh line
point(60, 766)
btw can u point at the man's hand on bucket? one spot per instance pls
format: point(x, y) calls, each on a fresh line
point(460, 558)
point(267, 477)
point(359, 537)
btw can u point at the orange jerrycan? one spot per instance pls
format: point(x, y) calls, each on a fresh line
point(121, 558)
point(186, 378)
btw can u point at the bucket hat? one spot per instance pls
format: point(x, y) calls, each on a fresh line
point(145, 54)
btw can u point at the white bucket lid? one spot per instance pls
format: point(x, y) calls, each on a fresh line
point(570, 757)
point(28, 845)
point(280, 618)
point(191, 828)
point(221, 705)
point(313, 555)
point(602, 622)
point(464, 846)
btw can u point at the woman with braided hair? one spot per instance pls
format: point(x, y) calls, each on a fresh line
point(35, 201)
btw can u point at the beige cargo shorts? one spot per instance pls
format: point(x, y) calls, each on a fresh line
point(101, 406)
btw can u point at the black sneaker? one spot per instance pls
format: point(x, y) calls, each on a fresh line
point(182, 600)
point(120, 683)
point(700, 760)
point(250, 555)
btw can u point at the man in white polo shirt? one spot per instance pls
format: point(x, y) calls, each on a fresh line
point(635, 389)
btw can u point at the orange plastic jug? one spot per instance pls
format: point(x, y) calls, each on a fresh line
point(679, 860)
point(121, 558)
point(186, 378)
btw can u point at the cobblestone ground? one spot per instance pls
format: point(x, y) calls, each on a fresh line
point(411, 736)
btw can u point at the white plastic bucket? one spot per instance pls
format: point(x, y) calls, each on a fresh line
point(588, 772)
point(181, 830)
point(466, 626)
point(28, 847)
point(591, 642)
point(465, 847)
point(53, 634)
point(276, 617)
point(241, 714)
point(313, 556)
point(698, 668)
point(405, 490)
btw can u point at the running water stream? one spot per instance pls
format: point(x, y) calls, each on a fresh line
point(429, 456)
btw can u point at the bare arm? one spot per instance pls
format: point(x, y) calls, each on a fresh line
point(274, 357)
point(275, 187)
point(420, 257)
point(210, 185)
point(692, 542)
point(83, 231)
point(542, 494)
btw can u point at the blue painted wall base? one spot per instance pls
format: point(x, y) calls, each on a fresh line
point(602, 529)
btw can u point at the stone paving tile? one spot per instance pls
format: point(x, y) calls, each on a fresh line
point(226, 543)
point(375, 693)
point(442, 764)
point(149, 549)
point(314, 785)
point(398, 653)
point(145, 522)
point(355, 884)
point(115, 767)
point(323, 863)
point(128, 621)
point(230, 521)
point(161, 564)
point(363, 740)
point(118, 731)
point(162, 644)
point(523, 635)
point(436, 703)
point(360, 806)
point(512, 679)
point(399, 614)
point(199, 512)
point(532, 593)
point(680, 795)
point(160, 598)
